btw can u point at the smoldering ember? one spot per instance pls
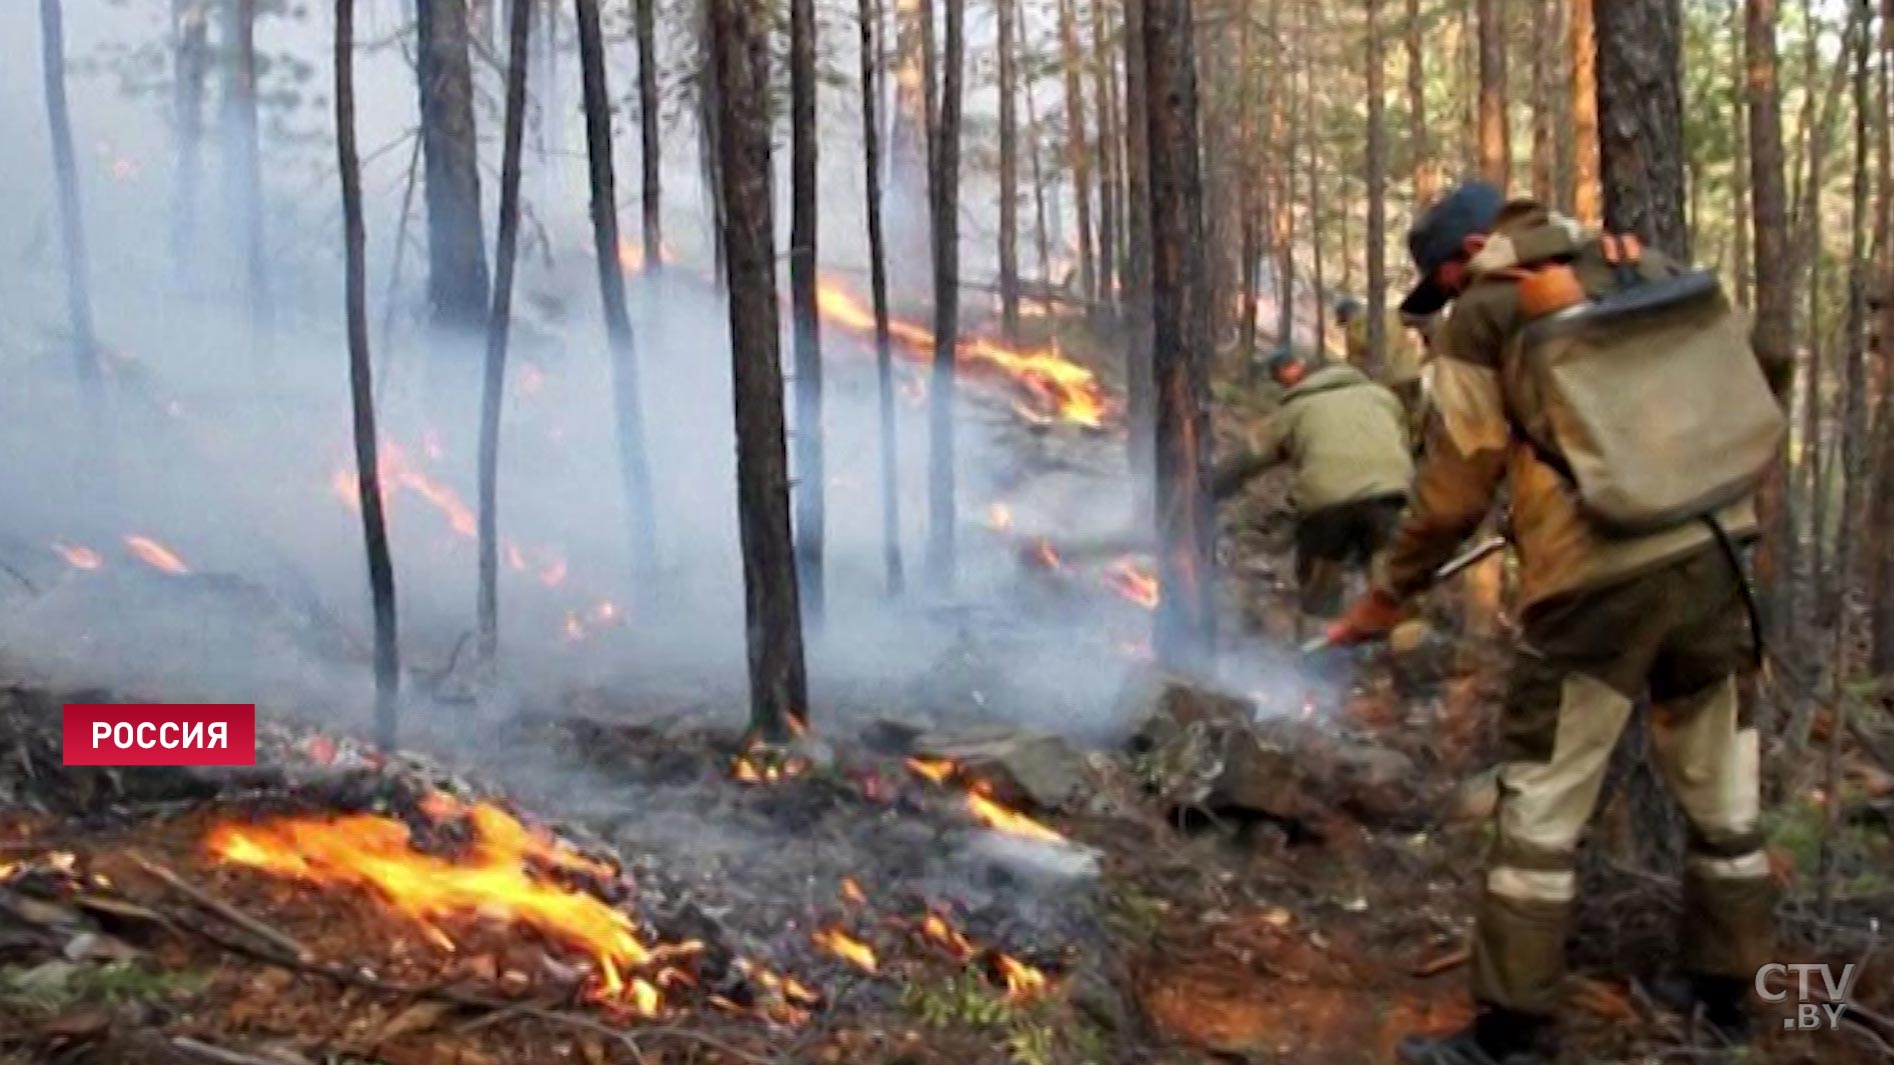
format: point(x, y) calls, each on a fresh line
point(1050, 533)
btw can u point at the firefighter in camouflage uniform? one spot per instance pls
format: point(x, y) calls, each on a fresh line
point(1606, 619)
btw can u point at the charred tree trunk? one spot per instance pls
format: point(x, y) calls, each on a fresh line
point(1008, 14)
point(1426, 170)
point(778, 683)
point(628, 409)
point(1141, 415)
point(709, 136)
point(651, 150)
point(191, 26)
point(243, 165)
point(1641, 127)
point(941, 390)
point(1042, 236)
point(1077, 155)
point(457, 258)
point(1880, 561)
point(808, 483)
point(499, 325)
point(870, 14)
point(1496, 157)
point(1184, 517)
point(85, 350)
point(1376, 237)
point(1587, 202)
point(381, 570)
point(1107, 198)
point(1773, 337)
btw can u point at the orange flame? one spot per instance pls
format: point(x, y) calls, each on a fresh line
point(936, 928)
point(852, 891)
point(375, 853)
point(79, 557)
point(1022, 980)
point(847, 948)
point(1045, 555)
point(1134, 581)
point(981, 804)
point(934, 769)
point(999, 517)
point(1054, 384)
point(156, 555)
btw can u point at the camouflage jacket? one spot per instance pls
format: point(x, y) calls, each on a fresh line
point(1471, 444)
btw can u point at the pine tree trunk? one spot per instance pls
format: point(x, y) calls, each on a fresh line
point(1426, 169)
point(1246, 189)
point(1107, 199)
point(710, 137)
point(1141, 417)
point(1184, 517)
point(650, 153)
point(1880, 575)
point(499, 325)
point(870, 16)
point(1558, 54)
point(1587, 197)
point(1740, 220)
point(941, 389)
point(778, 682)
point(1078, 157)
point(1496, 158)
point(1641, 131)
point(910, 139)
point(1544, 48)
point(1008, 13)
point(191, 27)
point(457, 258)
point(1311, 133)
point(85, 351)
point(628, 409)
point(1286, 123)
point(381, 571)
point(1773, 336)
point(1376, 237)
point(1042, 236)
point(243, 166)
point(808, 484)
point(1855, 467)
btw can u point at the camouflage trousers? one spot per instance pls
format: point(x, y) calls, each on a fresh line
point(1679, 633)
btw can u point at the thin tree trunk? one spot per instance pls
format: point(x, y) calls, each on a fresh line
point(1184, 517)
point(1139, 388)
point(650, 154)
point(941, 390)
point(1426, 169)
point(1376, 237)
point(85, 350)
point(1246, 189)
point(1740, 220)
point(1559, 100)
point(191, 26)
point(1077, 155)
point(778, 681)
point(1286, 122)
point(709, 137)
point(1587, 197)
point(1107, 200)
point(1008, 14)
point(628, 410)
point(1313, 142)
point(1773, 337)
point(457, 258)
point(1496, 160)
point(1880, 575)
point(1042, 237)
point(499, 325)
point(1640, 106)
point(807, 486)
point(381, 570)
point(1544, 48)
point(870, 15)
point(243, 166)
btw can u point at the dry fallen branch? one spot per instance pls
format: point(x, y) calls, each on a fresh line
point(1440, 963)
point(224, 910)
point(220, 1056)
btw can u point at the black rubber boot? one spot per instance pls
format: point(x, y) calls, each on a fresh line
point(1725, 1004)
point(1496, 1037)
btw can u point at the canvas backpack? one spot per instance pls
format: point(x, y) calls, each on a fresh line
point(1643, 392)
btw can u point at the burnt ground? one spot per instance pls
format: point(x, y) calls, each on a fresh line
point(1313, 914)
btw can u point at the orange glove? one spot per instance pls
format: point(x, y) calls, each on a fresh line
point(1370, 617)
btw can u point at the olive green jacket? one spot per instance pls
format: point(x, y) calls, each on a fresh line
point(1471, 445)
point(1404, 351)
point(1345, 435)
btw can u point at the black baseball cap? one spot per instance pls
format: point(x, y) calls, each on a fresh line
point(1439, 236)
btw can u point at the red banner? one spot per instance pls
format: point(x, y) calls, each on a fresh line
point(131, 734)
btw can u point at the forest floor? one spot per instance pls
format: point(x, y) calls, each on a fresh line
point(848, 905)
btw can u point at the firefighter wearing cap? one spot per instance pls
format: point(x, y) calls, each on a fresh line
point(1347, 439)
point(1604, 622)
point(1400, 370)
